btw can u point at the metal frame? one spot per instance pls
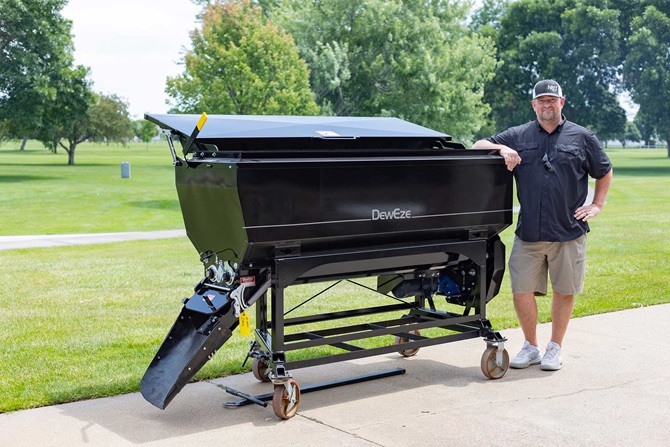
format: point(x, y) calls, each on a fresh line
point(273, 343)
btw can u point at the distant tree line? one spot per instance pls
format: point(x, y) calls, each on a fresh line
point(412, 59)
point(437, 63)
point(464, 72)
point(596, 49)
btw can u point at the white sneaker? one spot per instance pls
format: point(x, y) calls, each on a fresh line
point(529, 355)
point(553, 357)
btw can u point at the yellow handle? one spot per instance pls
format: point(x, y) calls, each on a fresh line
point(201, 121)
point(196, 131)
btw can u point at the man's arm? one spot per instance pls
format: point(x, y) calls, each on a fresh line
point(587, 212)
point(510, 156)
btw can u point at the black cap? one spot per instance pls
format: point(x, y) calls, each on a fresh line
point(548, 87)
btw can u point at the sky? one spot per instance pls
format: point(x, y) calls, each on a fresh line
point(132, 46)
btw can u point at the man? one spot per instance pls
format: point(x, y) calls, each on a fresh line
point(551, 159)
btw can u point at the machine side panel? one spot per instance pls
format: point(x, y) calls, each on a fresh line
point(211, 209)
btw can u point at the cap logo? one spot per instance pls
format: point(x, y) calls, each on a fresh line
point(547, 87)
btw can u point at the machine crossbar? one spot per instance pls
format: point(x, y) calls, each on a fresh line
point(263, 398)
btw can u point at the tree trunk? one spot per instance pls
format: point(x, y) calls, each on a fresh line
point(667, 142)
point(23, 144)
point(70, 155)
point(70, 152)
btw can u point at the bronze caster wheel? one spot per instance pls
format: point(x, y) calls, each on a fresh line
point(261, 370)
point(489, 366)
point(407, 352)
point(286, 399)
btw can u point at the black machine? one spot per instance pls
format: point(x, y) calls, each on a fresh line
point(270, 202)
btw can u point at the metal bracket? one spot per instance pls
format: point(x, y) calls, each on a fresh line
point(221, 272)
point(280, 374)
point(176, 161)
point(237, 296)
point(499, 353)
point(287, 249)
point(475, 234)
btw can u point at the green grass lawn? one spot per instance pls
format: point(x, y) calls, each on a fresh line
point(41, 194)
point(85, 321)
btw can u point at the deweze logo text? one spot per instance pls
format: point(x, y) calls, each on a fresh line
point(393, 214)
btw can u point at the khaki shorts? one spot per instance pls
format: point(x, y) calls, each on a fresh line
point(565, 262)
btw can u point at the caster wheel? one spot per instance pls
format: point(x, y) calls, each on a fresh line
point(489, 367)
point(285, 401)
point(261, 370)
point(407, 352)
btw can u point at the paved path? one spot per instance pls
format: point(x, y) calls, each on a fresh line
point(57, 240)
point(613, 390)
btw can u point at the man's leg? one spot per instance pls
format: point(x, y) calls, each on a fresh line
point(567, 265)
point(561, 312)
point(526, 311)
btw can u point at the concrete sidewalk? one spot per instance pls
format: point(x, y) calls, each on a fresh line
point(59, 240)
point(613, 390)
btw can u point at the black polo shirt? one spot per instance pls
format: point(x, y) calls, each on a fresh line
point(549, 199)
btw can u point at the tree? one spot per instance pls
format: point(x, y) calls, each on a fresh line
point(413, 59)
point(110, 120)
point(78, 115)
point(486, 19)
point(66, 117)
point(647, 67)
point(145, 130)
point(578, 43)
point(644, 121)
point(35, 43)
point(632, 134)
point(241, 63)
point(4, 130)
point(42, 94)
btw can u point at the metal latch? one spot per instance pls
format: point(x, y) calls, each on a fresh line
point(287, 249)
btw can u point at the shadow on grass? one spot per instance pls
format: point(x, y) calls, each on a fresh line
point(62, 165)
point(643, 171)
point(157, 204)
point(24, 178)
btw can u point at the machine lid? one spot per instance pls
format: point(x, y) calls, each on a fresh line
point(265, 126)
